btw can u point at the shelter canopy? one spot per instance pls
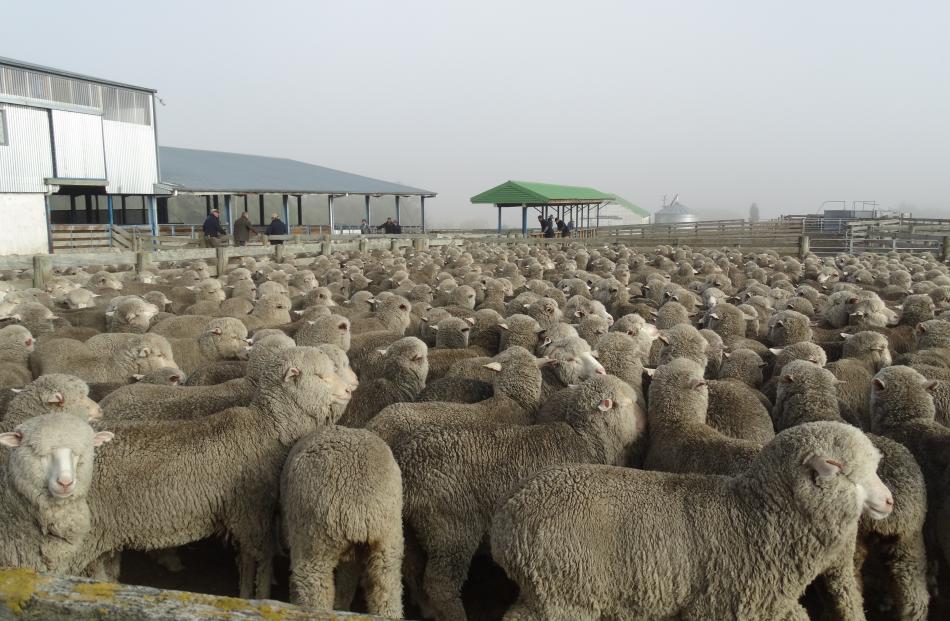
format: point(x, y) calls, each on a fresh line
point(199, 171)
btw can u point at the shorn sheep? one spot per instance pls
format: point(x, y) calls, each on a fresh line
point(586, 542)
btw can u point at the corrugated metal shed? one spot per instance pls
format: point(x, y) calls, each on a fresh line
point(194, 170)
point(26, 160)
point(19, 64)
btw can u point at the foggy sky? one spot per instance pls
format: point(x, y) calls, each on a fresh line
point(725, 102)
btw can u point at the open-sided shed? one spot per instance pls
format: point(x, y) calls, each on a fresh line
point(217, 173)
point(578, 203)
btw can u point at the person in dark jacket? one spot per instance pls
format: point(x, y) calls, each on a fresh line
point(212, 229)
point(562, 228)
point(276, 227)
point(549, 227)
point(243, 230)
point(389, 227)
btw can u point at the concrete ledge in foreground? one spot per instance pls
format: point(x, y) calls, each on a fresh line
point(28, 596)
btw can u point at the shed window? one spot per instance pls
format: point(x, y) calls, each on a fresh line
point(3, 128)
point(119, 104)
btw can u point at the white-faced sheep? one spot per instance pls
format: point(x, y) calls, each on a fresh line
point(405, 367)
point(103, 358)
point(453, 479)
point(565, 532)
point(249, 446)
point(43, 495)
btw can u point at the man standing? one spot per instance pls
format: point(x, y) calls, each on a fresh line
point(364, 227)
point(212, 230)
point(276, 227)
point(243, 230)
point(388, 227)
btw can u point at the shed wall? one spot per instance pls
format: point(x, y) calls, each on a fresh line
point(28, 159)
point(30, 235)
point(78, 141)
point(130, 157)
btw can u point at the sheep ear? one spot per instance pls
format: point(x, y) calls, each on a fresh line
point(494, 366)
point(788, 378)
point(298, 312)
point(605, 405)
point(714, 315)
point(578, 313)
point(664, 338)
point(824, 468)
point(216, 331)
point(595, 353)
point(748, 317)
point(930, 385)
point(102, 438)
point(725, 354)
point(649, 371)
point(137, 376)
point(382, 352)
point(845, 335)
point(11, 439)
point(470, 320)
point(292, 372)
point(144, 352)
point(545, 361)
point(17, 391)
point(921, 328)
point(878, 384)
point(776, 350)
point(699, 383)
point(434, 328)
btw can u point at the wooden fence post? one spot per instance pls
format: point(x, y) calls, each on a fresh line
point(326, 248)
point(364, 245)
point(141, 262)
point(945, 249)
point(279, 253)
point(803, 246)
point(221, 255)
point(42, 270)
point(394, 245)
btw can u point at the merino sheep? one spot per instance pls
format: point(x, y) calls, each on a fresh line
point(54, 393)
point(103, 358)
point(249, 445)
point(405, 367)
point(43, 495)
point(341, 497)
point(454, 478)
point(564, 532)
point(680, 439)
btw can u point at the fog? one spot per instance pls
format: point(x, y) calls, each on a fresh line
point(726, 103)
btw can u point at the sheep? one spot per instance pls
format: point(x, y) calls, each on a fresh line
point(516, 397)
point(181, 326)
point(798, 351)
point(35, 317)
point(224, 338)
point(591, 328)
point(569, 361)
point(43, 496)
point(144, 402)
point(454, 478)
point(391, 313)
point(180, 498)
point(341, 491)
point(270, 310)
point(680, 439)
point(54, 393)
point(564, 532)
point(332, 329)
point(807, 393)
point(405, 367)
point(164, 376)
point(642, 332)
point(863, 354)
point(903, 409)
point(743, 365)
point(16, 345)
point(103, 358)
point(681, 341)
point(788, 327)
point(545, 311)
point(618, 353)
point(130, 314)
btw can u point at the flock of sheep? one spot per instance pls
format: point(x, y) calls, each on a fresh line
point(675, 434)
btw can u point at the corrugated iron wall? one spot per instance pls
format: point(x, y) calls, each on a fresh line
point(27, 160)
point(130, 157)
point(78, 141)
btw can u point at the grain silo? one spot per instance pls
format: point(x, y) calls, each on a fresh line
point(674, 213)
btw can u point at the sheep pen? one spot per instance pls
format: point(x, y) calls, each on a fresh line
point(429, 431)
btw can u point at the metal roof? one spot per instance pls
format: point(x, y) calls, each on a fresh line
point(676, 207)
point(194, 170)
point(19, 64)
point(531, 193)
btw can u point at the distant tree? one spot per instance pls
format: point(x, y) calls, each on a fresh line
point(753, 213)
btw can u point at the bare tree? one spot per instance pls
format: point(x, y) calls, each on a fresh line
point(753, 213)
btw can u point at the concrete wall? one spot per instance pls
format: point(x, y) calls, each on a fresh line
point(24, 230)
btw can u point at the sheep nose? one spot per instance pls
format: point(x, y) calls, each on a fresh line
point(65, 482)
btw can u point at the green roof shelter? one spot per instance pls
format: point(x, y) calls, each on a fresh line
point(574, 202)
